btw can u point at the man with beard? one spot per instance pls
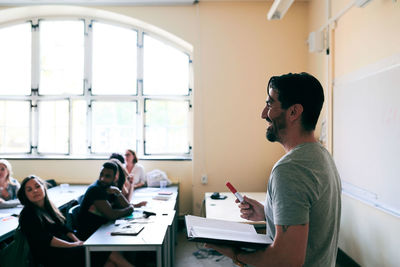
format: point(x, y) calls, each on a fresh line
point(303, 202)
point(102, 202)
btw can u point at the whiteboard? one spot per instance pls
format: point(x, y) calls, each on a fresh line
point(366, 134)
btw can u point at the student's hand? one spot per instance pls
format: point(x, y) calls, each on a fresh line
point(251, 209)
point(140, 204)
point(113, 190)
point(77, 243)
point(1, 200)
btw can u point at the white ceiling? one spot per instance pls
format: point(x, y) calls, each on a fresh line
point(115, 2)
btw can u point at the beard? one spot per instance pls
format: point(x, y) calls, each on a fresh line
point(271, 135)
point(105, 184)
point(275, 128)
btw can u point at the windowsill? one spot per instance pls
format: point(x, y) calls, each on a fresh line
point(102, 157)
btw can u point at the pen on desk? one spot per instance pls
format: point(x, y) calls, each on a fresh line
point(235, 192)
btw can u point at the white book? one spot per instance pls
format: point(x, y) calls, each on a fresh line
point(201, 229)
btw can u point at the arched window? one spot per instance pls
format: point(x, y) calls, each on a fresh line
point(84, 86)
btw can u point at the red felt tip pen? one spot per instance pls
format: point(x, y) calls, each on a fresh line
point(235, 192)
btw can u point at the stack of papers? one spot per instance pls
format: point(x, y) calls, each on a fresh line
point(201, 229)
point(160, 197)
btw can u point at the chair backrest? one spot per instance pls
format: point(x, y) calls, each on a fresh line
point(51, 183)
point(72, 217)
point(17, 253)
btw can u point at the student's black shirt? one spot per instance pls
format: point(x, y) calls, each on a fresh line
point(89, 218)
point(39, 232)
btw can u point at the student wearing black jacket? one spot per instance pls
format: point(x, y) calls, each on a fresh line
point(50, 241)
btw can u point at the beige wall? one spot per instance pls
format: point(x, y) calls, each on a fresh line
point(238, 52)
point(363, 36)
point(235, 51)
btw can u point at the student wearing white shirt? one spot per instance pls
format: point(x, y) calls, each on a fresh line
point(134, 169)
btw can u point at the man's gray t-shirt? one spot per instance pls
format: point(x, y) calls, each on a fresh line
point(304, 187)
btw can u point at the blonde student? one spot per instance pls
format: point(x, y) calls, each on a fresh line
point(8, 185)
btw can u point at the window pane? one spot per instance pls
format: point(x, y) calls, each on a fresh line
point(15, 60)
point(113, 126)
point(61, 57)
point(78, 138)
point(166, 69)
point(53, 126)
point(114, 60)
point(14, 126)
point(166, 129)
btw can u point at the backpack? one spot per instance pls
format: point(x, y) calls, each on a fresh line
point(17, 253)
point(154, 177)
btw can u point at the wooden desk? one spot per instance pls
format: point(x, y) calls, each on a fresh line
point(227, 209)
point(152, 238)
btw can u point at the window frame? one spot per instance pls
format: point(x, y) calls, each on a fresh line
point(34, 97)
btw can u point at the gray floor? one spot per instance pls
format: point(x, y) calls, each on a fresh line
point(184, 255)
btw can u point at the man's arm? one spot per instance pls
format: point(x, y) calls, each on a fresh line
point(122, 202)
point(288, 249)
point(105, 208)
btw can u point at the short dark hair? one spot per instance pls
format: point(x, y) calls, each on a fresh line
point(121, 173)
point(300, 88)
point(117, 156)
point(111, 165)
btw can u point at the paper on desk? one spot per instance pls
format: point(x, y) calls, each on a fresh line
point(3, 215)
point(135, 217)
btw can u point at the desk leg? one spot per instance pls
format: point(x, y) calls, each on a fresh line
point(87, 256)
point(167, 248)
point(159, 256)
point(173, 240)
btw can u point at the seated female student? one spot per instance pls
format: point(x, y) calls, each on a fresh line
point(50, 241)
point(135, 169)
point(8, 185)
point(124, 182)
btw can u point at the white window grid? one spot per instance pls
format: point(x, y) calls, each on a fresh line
point(88, 97)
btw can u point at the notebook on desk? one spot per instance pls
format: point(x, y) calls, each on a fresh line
point(130, 229)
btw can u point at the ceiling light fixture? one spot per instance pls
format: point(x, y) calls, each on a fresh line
point(279, 8)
